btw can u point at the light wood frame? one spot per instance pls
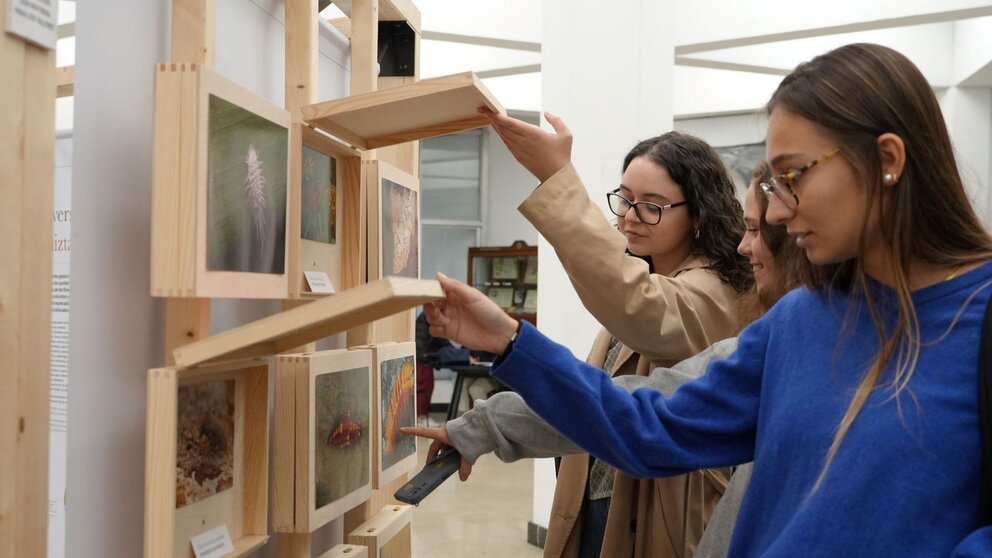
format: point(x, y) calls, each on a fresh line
point(313, 321)
point(382, 475)
point(295, 461)
point(340, 260)
point(244, 507)
point(346, 551)
point(375, 173)
point(411, 112)
point(390, 525)
point(180, 187)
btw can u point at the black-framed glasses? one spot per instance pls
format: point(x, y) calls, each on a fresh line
point(782, 184)
point(649, 213)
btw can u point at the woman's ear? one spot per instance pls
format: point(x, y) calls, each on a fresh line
point(892, 157)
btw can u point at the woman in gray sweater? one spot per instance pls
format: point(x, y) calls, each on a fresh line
point(505, 426)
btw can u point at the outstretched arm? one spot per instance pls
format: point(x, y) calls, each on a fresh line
point(506, 426)
point(709, 422)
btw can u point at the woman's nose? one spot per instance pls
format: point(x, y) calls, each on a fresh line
point(744, 248)
point(778, 213)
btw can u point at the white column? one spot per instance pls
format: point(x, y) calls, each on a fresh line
point(607, 70)
point(114, 322)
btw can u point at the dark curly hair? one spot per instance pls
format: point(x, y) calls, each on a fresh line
point(711, 194)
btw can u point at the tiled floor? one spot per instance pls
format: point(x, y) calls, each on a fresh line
point(484, 517)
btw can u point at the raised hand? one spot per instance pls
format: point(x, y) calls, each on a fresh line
point(439, 441)
point(540, 152)
point(468, 317)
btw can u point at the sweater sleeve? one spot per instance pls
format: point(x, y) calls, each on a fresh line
point(709, 422)
point(506, 426)
point(665, 319)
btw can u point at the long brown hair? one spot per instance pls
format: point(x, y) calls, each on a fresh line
point(857, 93)
point(792, 267)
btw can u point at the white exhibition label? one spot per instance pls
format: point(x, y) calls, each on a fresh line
point(34, 20)
point(213, 543)
point(319, 282)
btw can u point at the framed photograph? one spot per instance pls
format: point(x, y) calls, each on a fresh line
point(530, 301)
point(395, 407)
point(325, 210)
point(502, 296)
point(324, 437)
point(530, 273)
point(220, 188)
point(206, 463)
point(394, 211)
point(506, 268)
point(386, 534)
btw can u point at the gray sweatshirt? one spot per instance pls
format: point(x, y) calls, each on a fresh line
point(506, 426)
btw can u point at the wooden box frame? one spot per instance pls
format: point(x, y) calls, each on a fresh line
point(295, 452)
point(347, 551)
point(375, 173)
point(243, 507)
point(382, 476)
point(180, 187)
point(392, 524)
point(411, 112)
point(342, 260)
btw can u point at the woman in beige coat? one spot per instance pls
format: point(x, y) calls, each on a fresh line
point(678, 298)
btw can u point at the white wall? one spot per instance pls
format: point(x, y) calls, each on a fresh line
point(115, 336)
point(612, 91)
point(726, 130)
point(968, 113)
point(715, 20)
point(116, 326)
point(507, 185)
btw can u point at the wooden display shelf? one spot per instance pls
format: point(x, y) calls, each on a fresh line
point(421, 110)
point(310, 322)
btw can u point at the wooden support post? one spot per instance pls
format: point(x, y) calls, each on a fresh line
point(364, 45)
point(194, 24)
point(301, 89)
point(292, 545)
point(186, 320)
point(27, 167)
point(193, 40)
point(64, 81)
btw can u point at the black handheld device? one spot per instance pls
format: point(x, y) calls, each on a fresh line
point(430, 477)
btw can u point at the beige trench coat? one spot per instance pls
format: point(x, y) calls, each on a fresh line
point(665, 319)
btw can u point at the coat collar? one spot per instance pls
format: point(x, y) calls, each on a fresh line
point(694, 261)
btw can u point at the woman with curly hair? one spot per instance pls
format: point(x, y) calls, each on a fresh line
point(665, 288)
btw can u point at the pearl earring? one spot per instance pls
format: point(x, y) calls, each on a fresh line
point(697, 234)
point(889, 178)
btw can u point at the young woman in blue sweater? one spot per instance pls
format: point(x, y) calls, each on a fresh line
point(857, 397)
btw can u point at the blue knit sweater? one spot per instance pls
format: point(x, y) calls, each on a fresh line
point(905, 480)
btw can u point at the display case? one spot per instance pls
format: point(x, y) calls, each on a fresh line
point(508, 275)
